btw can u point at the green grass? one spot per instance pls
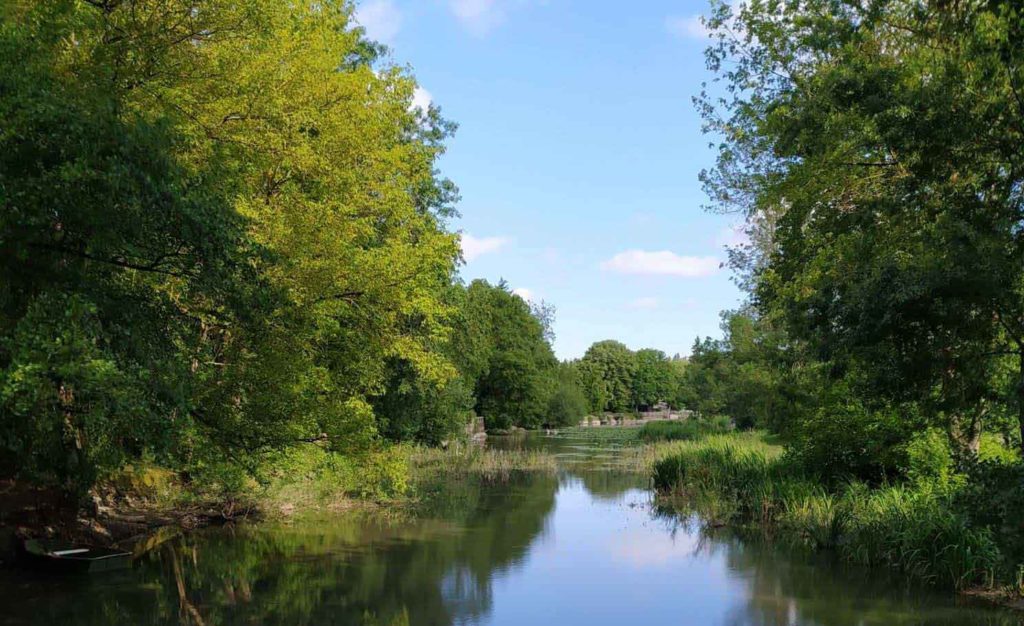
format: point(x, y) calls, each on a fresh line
point(434, 463)
point(743, 479)
point(602, 434)
point(684, 430)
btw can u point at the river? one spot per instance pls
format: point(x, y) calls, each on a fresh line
point(585, 547)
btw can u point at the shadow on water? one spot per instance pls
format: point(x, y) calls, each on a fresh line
point(583, 547)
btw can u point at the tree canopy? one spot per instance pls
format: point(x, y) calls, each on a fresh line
point(219, 222)
point(875, 151)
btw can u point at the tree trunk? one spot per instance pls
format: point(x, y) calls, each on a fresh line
point(965, 433)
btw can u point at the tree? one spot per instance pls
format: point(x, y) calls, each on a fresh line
point(593, 385)
point(653, 380)
point(220, 225)
point(612, 366)
point(513, 368)
point(885, 142)
point(568, 404)
point(681, 396)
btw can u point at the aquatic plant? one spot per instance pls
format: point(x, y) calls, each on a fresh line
point(911, 527)
point(484, 462)
point(685, 429)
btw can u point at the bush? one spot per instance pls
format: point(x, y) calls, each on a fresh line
point(567, 405)
point(844, 440)
point(993, 499)
point(930, 459)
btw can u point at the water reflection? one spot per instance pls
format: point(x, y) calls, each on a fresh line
point(580, 548)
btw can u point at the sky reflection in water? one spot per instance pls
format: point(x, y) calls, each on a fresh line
point(584, 548)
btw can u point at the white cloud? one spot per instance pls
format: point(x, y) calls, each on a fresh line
point(646, 550)
point(479, 17)
point(661, 263)
point(689, 27)
point(381, 19)
point(523, 293)
point(474, 247)
point(421, 98)
point(646, 303)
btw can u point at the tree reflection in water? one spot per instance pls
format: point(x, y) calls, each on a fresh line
point(350, 569)
point(582, 547)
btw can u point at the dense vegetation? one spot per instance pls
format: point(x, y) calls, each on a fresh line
point(616, 379)
point(684, 430)
point(223, 238)
point(224, 250)
point(912, 527)
point(221, 226)
point(876, 154)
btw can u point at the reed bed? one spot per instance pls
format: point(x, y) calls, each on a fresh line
point(684, 430)
point(482, 462)
point(738, 479)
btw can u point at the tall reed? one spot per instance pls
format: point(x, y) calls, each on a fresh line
point(741, 479)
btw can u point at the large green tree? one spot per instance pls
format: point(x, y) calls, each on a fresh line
point(653, 380)
point(219, 223)
point(883, 143)
point(610, 367)
point(512, 367)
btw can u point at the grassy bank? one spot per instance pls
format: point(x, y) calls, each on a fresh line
point(744, 479)
point(652, 432)
point(311, 479)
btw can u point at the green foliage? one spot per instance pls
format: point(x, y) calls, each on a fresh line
point(694, 428)
point(618, 380)
point(412, 409)
point(567, 405)
point(930, 460)
point(870, 149)
point(750, 375)
point(653, 379)
point(608, 368)
point(993, 500)
point(845, 440)
point(513, 366)
point(213, 248)
point(917, 530)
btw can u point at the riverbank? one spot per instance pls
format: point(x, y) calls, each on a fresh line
point(916, 528)
point(136, 503)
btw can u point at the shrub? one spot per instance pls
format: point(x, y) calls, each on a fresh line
point(930, 459)
point(845, 441)
point(993, 499)
point(567, 405)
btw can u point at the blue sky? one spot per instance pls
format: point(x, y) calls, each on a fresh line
point(577, 157)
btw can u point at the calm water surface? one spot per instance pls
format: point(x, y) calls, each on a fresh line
point(583, 548)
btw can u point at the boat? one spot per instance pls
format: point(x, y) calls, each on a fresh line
point(63, 557)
